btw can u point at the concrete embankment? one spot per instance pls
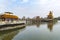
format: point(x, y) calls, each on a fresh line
point(9, 26)
point(12, 27)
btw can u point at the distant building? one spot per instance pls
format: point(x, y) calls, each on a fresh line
point(36, 19)
point(23, 18)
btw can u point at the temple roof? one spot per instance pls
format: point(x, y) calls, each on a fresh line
point(8, 15)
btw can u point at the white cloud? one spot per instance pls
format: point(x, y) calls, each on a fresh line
point(4, 4)
point(24, 1)
point(36, 7)
point(44, 1)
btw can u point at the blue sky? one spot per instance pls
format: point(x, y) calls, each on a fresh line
point(30, 8)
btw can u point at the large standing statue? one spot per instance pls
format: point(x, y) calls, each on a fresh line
point(50, 15)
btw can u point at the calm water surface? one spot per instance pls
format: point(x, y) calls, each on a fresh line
point(45, 31)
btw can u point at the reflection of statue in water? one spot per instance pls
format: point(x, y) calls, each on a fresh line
point(50, 26)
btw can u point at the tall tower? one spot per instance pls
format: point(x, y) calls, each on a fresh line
point(50, 15)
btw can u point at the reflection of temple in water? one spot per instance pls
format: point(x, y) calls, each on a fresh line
point(9, 35)
point(50, 26)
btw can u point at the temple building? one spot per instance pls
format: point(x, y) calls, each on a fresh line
point(50, 15)
point(8, 16)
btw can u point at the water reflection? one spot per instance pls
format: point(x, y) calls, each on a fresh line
point(34, 31)
point(50, 25)
point(9, 34)
point(38, 31)
point(37, 24)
